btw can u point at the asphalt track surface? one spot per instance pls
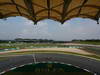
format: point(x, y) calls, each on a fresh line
point(78, 61)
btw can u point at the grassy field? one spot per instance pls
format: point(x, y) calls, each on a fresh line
point(29, 45)
point(89, 42)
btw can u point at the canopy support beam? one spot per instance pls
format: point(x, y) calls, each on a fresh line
point(48, 6)
point(84, 2)
point(31, 11)
point(65, 8)
point(1, 15)
point(97, 16)
point(16, 7)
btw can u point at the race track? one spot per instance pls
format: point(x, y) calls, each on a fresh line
point(82, 62)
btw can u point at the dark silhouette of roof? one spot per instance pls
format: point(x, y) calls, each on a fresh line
point(59, 10)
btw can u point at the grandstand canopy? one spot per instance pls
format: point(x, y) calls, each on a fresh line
point(59, 10)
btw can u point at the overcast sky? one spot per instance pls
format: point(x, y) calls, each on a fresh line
point(77, 28)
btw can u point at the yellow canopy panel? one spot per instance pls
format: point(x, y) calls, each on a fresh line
point(59, 10)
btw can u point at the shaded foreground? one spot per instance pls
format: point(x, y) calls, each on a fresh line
point(47, 69)
point(88, 64)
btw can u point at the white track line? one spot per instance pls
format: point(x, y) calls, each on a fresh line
point(34, 58)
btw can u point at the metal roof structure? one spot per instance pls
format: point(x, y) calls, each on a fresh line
point(59, 10)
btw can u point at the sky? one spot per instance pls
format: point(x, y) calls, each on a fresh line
point(76, 28)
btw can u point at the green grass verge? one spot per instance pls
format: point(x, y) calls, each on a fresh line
point(88, 42)
point(27, 45)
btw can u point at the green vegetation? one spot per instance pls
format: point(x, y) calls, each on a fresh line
point(92, 41)
point(25, 45)
point(89, 42)
point(47, 69)
point(15, 46)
